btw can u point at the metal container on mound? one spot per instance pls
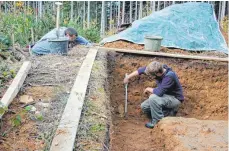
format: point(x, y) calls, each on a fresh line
point(59, 45)
point(152, 43)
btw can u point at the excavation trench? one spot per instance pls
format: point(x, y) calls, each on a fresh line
point(205, 90)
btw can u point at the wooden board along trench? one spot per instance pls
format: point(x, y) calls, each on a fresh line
point(66, 132)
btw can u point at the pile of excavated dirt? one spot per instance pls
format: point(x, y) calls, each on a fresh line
point(120, 44)
point(188, 134)
point(205, 87)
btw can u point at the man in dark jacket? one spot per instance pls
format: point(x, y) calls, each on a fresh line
point(167, 95)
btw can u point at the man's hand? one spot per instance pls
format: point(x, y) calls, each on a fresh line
point(129, 76)
point(148, 89)
point(126, 80)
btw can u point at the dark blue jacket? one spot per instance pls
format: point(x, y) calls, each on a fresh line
point(167, 84)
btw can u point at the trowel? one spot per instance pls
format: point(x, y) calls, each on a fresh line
point(126, 96)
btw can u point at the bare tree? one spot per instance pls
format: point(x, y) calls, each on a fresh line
point(71, 18)
point(223, 10)
point(136, 11)
point(110, 15)
point(118, 13)
point(88, 14)
point(40, 9)
point(131, 7)
point(140, 10)
point(123, 12)
point(36, 6)
point(219, 12)
point(96, 12)
point(102, 31)
point(158, 5)
point(153, 6)
point(84, 14)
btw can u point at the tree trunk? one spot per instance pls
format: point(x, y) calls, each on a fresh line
point(118, 13)
point(14, 7)
point(131, 7)
point(88, 14)
point(36, 9)
point(53, 7)
point(140, 10)
point(28, 4)
point(71, 18)
point(123, 12)
point(223, 10)
point(84, 14)
point(153, 6)
point(174, 2)
point(5, 7)
point(158, 5)
point(40, 9)
point(102, 31)
point(136, 11)
point(219, 12)
point(111, 22)
point(96, 12)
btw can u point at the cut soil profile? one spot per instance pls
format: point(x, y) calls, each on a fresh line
point(205, 90)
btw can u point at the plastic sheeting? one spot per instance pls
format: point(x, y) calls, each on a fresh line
point(43, 46)
point(191, 26)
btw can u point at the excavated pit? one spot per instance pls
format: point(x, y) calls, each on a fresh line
point(205, 86)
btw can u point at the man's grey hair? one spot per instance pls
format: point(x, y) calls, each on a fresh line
point(154, 68)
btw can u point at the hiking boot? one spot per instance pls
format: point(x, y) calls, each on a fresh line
point(151, 124)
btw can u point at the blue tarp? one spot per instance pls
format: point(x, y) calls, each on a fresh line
point(191, 26)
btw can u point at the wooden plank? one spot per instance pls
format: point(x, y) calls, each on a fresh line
point(66, 132)
point(15, 86)
point(142, 52)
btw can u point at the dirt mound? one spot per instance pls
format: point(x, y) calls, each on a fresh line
point(124, 45)
point(184, 134)
point(120, 44)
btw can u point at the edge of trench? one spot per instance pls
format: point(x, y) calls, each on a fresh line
point(65, 134)
point(154, 53)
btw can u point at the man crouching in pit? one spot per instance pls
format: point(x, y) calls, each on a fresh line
point(165, 98)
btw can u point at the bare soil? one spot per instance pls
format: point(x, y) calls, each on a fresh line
point(205, 87)
point(186, 134)
point(121, 44)
point(49, 81)
point(94, 123)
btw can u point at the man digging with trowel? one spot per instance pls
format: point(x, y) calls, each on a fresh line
point(165, 98)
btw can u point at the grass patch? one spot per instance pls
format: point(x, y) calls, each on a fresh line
point(97, 128)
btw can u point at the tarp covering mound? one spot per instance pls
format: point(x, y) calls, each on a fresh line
point(191, 26)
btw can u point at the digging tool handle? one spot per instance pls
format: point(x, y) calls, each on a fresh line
point(126, 96)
